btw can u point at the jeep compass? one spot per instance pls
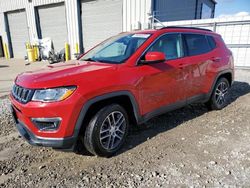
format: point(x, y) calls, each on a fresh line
point(124, 81)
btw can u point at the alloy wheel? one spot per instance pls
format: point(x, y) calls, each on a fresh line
point(112, 130)
point(220, 93)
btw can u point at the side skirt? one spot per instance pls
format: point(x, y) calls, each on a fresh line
point(196, 99)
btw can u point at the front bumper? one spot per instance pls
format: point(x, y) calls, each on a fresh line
point(57, 143)
point(67, 110)
point(63, 143)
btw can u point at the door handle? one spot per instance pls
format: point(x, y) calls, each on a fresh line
point(216, 59)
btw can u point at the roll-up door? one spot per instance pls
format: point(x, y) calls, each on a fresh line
point(100, 19)
point(52, 24)
point(18, 32)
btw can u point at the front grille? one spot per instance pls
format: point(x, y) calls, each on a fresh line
point(21, 94)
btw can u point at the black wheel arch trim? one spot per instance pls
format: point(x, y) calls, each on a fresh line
point(94, 100)
point(217, 78)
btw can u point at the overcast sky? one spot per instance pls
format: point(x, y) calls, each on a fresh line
point(232, 7)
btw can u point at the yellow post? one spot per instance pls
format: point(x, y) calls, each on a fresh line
point(31, 55)
point(6, 53)
point(36, 51)
point(67, 51)
point(28, 45)
point(77, 48)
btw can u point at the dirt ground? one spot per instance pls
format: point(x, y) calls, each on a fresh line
point(190, 147)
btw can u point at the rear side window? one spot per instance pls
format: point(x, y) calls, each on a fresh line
point(211, 42)
point(196, 44)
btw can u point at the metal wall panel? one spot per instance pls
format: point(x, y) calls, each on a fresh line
point(52, 19)
point(136, 14)
point(169, 10)
point(45, 2)
point(209, 3)
point(9, 5)
point(100, 19)
point(74, 25)
point(2, 28)
point(18, 32)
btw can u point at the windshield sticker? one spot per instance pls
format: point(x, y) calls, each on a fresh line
point(141, 35)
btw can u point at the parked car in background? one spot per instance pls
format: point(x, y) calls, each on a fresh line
point(126, 80)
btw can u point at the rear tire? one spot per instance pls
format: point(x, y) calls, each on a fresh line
point(219, 97)
point(106, 131)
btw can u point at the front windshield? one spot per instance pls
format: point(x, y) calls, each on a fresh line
point(116, 49)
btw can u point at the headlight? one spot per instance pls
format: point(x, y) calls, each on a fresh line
point(54, 94)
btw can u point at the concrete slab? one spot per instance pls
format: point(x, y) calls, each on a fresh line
point(9, 69)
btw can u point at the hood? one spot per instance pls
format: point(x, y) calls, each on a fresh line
point(62, 74)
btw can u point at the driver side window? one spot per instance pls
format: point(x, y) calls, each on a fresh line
point(170, 45)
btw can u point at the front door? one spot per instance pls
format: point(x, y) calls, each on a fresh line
point(163, 84)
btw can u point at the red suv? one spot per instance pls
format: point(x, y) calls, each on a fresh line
point(126, 80)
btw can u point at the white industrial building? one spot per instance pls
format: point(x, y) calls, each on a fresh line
point(84, 23)
point(76, 22)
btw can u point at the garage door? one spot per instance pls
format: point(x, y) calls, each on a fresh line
point(100, 20)
point(18, 32)
point(52, 22)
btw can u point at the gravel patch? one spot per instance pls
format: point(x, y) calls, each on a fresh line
point(190, 147)
point(6, 122)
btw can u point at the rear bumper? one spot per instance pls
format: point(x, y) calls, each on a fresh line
point(62, 143)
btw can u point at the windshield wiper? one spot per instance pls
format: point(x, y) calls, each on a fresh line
point(107, 61)
point(99, 60)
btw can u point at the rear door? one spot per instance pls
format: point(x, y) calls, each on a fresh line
point(198, 61)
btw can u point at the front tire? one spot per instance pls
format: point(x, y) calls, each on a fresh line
point(106, 131)
point(219, 97)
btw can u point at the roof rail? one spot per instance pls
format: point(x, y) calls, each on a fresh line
point(181, 27)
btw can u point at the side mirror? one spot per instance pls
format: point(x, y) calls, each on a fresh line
point(154, 57)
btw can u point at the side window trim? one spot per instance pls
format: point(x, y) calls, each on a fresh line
point(184, 45)
point(210, 47)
